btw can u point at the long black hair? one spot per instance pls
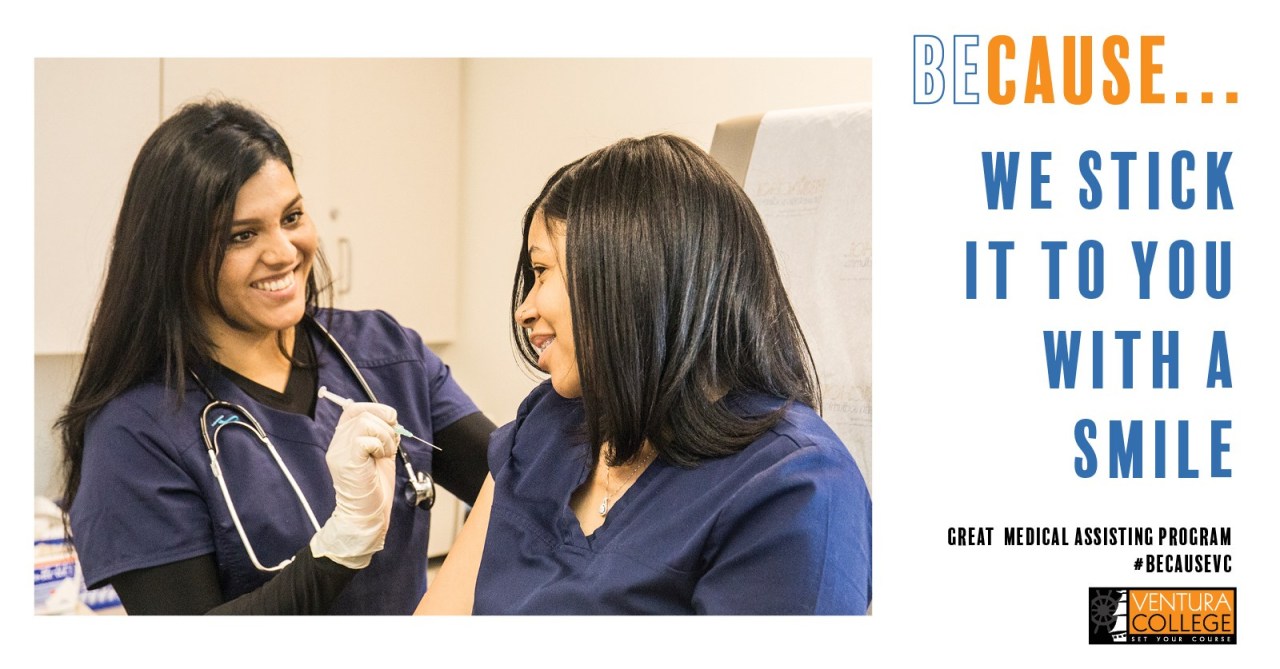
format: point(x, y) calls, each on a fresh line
point(676, 301)
point(168, 247)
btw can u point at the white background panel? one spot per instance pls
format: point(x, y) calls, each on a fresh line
point(966, 431)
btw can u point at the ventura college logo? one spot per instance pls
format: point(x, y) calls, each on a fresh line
point(1162, 615)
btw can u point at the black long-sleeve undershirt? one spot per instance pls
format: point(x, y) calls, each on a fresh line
point(190, 587)
point(462, 463)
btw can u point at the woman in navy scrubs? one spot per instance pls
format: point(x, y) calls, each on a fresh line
point(209, 322)
point(673, 462)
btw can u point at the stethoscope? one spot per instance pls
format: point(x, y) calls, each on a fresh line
point(422, 495)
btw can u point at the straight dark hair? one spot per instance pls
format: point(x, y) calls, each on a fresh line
point(676, 301)
point(168, 247)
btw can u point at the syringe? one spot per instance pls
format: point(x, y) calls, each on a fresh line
point(343, 402)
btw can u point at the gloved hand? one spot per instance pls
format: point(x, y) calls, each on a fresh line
point(361, 459)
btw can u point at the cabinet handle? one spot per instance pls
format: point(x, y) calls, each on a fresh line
point(344, 265)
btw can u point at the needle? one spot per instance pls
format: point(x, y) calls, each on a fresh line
point(344, 402)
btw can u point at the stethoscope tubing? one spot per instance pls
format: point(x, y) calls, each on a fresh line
point(226, 494)
point(421, 482)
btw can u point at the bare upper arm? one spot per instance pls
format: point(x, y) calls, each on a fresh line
point(453, 589)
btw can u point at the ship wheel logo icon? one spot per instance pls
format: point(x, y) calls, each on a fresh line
point(1102, 610)
point(1108, 615)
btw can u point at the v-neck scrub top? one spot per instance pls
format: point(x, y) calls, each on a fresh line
point(782, 527)
point(148, 496)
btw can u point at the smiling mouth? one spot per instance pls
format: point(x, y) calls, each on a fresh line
point(541, 342)
point(274, 285)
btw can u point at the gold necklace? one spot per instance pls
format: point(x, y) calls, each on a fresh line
point(604, 505)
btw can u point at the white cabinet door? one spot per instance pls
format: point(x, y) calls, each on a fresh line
point(396, 191)
point(91, 118)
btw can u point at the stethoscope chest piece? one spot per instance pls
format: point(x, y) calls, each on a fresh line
point(421, 491)
point(421, 488)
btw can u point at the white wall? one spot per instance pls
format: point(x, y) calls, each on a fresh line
point(55, 376)
point(524, 118)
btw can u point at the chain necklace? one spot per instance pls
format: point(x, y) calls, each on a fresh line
point(604, 505)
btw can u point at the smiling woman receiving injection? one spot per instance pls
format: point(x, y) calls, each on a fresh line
point(201, 473)
point(674, 461)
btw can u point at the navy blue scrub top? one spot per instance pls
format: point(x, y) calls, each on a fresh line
point(148, 496)
point(782, 527)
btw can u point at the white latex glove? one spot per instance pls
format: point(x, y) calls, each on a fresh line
point(361, 459)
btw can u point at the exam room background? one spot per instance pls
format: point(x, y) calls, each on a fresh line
point(496, 129)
